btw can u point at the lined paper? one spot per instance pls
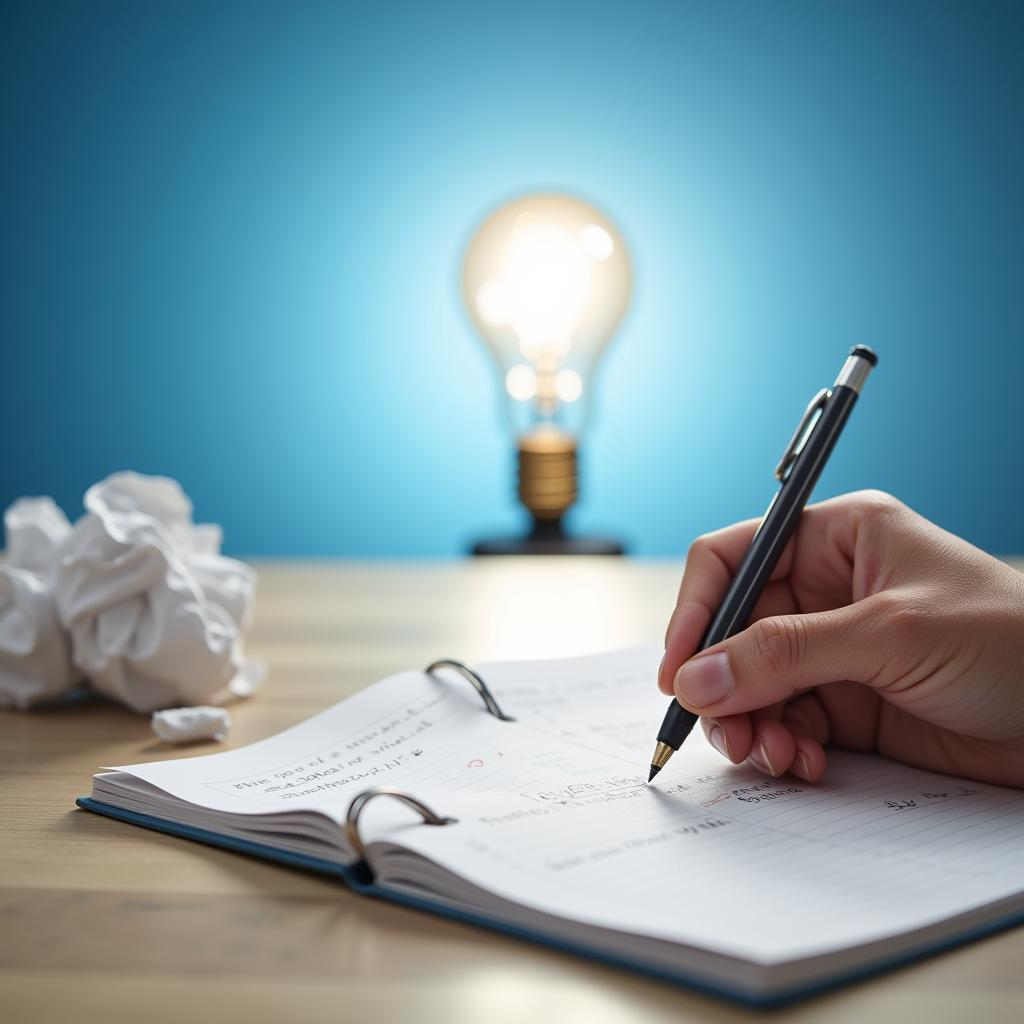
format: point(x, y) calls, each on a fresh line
point(554, 812)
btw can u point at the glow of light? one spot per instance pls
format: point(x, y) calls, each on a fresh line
point(492, 300)
point(547, 279)
point(568, 385)
point(596, 241)
point(521, 382)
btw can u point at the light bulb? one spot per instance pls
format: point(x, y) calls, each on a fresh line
point(546, 281)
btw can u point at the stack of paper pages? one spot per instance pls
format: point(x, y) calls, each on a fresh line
point(716, 876)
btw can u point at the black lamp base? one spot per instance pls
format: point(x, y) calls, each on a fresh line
point(548, 538)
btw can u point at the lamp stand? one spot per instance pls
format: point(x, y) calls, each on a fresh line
point(548, 486)
point(547, 538)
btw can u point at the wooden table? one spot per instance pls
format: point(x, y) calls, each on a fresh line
point(100, 921)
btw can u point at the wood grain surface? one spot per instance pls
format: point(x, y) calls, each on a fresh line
point(100, 921)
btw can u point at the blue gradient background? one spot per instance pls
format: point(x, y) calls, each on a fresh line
point(232, 234)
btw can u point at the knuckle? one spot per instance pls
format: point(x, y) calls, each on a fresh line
point(878, 505)
point(779, 643)
point(700, 561)
point(906, 618)
point(700, 548)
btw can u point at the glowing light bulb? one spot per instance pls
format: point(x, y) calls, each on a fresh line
point(546, 281)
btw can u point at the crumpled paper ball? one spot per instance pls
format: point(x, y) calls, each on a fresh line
point(35, 653)
point(154, 613)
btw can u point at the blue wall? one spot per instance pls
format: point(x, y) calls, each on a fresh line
point(231, 235)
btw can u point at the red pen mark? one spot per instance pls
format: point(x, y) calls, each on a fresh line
point(475, 763)
point(714, 800)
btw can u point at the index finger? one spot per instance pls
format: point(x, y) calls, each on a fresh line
point(711, 563)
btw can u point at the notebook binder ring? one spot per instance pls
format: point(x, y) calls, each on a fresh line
point(356, 808)
point(477, 682)
point(429, 817)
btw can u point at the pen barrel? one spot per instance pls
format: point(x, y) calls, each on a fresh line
point(780, 521)
point(801, 465)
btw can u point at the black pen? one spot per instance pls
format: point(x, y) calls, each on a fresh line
point(798, 472)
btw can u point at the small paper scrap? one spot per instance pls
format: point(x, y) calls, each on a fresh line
point(189, 725)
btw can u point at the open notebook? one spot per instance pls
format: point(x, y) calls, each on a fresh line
point(715, 876)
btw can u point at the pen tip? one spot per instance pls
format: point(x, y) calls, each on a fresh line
point(654, 771)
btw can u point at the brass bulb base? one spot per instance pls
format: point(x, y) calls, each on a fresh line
point(548, 474)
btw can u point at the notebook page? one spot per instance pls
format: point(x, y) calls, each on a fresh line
point(425, 734)
point(608, 699)
point(768, 869)
point(554, 811)
point(728, 859)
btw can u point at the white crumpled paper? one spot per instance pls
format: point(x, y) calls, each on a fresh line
point(154, 613)
point(35, 655)
point(35, 528)
point(188, 725)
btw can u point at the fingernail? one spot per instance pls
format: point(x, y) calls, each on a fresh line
point(705, 680)
point(803, 766)
point(717, 739)
point(758, 757)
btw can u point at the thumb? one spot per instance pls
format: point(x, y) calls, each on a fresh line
point(778, 656)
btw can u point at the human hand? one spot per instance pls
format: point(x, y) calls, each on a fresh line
point(878, 631)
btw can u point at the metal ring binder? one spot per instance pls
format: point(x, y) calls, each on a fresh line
point(429, 817)
point(356, 808)
point(478, 684)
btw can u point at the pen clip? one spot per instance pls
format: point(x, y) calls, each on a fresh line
point(800, 435)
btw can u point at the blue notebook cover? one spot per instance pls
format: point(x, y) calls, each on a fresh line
point(360, 880)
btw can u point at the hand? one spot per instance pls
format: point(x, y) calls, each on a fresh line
point(877, 632)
